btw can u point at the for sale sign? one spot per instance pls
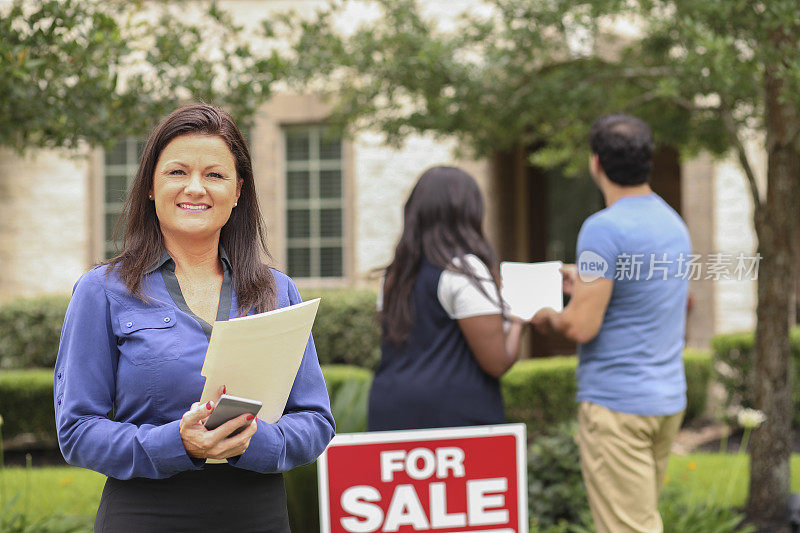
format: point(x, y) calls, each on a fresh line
point(443, 480)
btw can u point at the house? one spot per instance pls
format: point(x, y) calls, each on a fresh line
point(333, 207)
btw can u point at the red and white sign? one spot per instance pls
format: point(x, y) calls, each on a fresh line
point(451, 480)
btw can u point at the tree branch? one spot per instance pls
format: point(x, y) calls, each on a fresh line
point(744, 161)
point(644, 98)
point(655, 94)
point(733, 133)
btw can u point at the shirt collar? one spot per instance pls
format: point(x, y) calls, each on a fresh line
point(166, 260)
point(226, 263)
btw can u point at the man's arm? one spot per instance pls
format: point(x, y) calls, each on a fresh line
point(581, 319)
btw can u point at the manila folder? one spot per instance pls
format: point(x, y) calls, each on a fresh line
point(258, 356)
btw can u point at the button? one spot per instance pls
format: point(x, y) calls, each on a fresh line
point(59, 375)
point(59, 402)
point(166, 319)
point(129, 325)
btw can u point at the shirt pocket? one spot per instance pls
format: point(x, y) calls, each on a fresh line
point(148, 337)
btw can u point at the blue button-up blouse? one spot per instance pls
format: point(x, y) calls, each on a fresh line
point(127, 371)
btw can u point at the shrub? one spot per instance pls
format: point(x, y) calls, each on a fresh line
point(302, 498)
point(29, 331)
point(348, 388)
point(26, 400)
point(734, 368)
point(346, 330)
point(557, 497)
point(538, 392)
point(541, 392)
point(26, 397)
point(698, 372)
point(556, 494)
point(681, 515)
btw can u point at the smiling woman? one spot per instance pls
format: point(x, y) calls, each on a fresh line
point(195, 187)
point(135, 337)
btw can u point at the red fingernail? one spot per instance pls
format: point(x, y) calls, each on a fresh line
point(208, 406)
point(223, 389)
point(250, 417)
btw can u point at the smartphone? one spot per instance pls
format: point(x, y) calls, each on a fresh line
point(229, 407)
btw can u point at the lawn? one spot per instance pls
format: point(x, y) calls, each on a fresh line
point(704, 478)
point(717, 479)
point(49, 490)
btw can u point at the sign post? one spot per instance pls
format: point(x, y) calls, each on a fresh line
point(454, 480)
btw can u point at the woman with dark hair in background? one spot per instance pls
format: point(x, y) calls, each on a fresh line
point(445, 338)
point(135, 336)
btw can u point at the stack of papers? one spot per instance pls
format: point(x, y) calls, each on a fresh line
point(529, 287)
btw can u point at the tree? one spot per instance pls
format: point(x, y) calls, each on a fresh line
point(738, 63)
point(95, 70)
point(532, 75)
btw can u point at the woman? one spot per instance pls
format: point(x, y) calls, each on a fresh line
point(135, 336)
point(445, 340)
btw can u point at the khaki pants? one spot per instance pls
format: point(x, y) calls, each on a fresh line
point(623, 459)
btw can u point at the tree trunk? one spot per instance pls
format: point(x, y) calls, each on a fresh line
point(775, 224)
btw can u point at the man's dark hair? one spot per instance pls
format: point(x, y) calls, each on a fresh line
point(624, 145)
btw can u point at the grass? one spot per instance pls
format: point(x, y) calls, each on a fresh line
point(52, 490)
point(701, 477)
point(717, 479)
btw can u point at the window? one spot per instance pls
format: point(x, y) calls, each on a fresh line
point(314, 203)
point(119, 169)
point(571, 200)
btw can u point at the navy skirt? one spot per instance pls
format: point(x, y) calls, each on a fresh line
point(217, 498)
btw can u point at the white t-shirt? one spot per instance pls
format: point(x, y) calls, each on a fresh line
point(458, 294)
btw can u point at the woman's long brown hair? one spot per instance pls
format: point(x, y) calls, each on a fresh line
point(243, 236)
point(442, 220)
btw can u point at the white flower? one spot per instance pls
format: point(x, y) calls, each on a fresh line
point(725, 370)
point(750, 418)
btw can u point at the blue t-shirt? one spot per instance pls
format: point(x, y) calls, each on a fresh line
point(634, 364)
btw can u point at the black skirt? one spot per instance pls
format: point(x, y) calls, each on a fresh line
point(217, 498)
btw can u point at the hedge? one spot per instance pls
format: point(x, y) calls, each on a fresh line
point(345, 331)
point(26, 399)
point(541, 392)
point(538, 392)
point(698, 374)
point(26, 404)
point(734, 368)
point(29, 331)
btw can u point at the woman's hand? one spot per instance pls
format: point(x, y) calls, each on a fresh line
point(201, 443)
point(543, 320)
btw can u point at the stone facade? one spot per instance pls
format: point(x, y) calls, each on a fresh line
point(385, 177)
point(44, 221)
point(734, 234)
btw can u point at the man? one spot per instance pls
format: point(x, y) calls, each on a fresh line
point(627, 313)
